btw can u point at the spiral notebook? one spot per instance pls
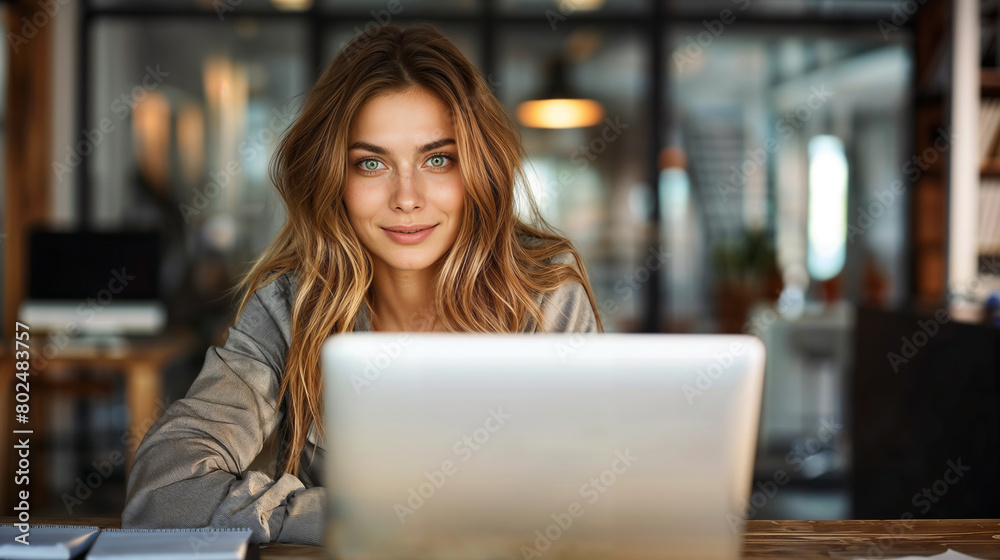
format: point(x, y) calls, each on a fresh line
point(171, 544)
point(45, 542)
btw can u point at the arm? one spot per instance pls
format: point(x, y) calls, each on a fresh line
point(190, 470)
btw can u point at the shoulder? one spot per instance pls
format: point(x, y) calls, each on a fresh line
point(266, 319)
point(530, 240)
point(278, 289)
point(565, 257)
point(567, 308)
point(274, 297)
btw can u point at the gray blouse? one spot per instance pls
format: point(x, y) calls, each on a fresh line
point(209, 459)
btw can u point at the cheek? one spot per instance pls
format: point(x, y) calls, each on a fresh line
point(360, 205)
point(453, 198)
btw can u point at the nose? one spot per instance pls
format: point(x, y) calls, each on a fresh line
point(407, 194)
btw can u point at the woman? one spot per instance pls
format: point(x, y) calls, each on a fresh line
point(399, 182)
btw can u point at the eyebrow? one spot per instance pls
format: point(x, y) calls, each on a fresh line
point(384, 152)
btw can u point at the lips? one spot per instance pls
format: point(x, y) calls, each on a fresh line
point(409, 228)
point(409, 235)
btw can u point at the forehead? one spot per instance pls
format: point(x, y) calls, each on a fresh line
point(405, 118)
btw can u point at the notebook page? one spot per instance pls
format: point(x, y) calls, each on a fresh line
point(55, 542)
point(171, 544)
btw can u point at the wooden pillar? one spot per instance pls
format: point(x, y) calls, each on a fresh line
point(27, 159)
point(27, 143)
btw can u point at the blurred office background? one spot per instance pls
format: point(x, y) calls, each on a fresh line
point(783, 168)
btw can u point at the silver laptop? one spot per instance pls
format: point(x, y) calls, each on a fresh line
point(523, 446)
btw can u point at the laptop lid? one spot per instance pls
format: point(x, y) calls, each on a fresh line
point(504, 446)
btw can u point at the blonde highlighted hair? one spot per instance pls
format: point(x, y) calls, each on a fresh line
point(488, 281)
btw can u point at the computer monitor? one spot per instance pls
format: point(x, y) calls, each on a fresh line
point(93, 283)
point(521, 446)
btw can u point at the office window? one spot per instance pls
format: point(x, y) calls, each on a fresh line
point(785, 138)
point(827, 229)
point(184, 129)
point(747, 106)
point(591, 182)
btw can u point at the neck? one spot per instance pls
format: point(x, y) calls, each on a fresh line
point(404, 299)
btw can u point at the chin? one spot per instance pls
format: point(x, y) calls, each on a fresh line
point(416, 260)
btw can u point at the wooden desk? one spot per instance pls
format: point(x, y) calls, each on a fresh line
point(140, 362)
point(802, 540)
point(815, 540)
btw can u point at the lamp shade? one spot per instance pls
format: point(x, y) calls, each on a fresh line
point(292, 5)
point(560, 113)
point(558, 106)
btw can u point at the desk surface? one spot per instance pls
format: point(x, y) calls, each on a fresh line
point(805, 540)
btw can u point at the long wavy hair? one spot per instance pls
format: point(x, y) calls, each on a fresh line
point(487, 281)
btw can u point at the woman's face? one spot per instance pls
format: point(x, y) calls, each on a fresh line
point(403, 176)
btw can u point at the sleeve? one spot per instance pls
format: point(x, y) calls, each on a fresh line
point(568, 309)
point(190, 469)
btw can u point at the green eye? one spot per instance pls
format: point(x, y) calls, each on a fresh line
point(438, 161)
point(371, 165)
